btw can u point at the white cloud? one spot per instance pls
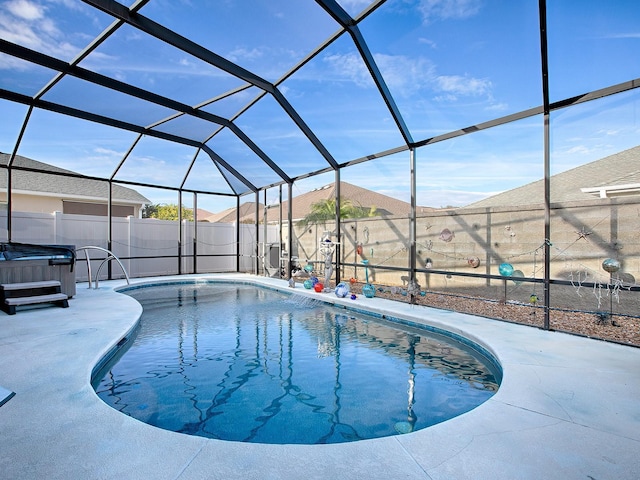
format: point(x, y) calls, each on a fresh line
point(354, 5)
point(26, 23)
point(498, 107)
point(404, 75)
point(448, 9)
point(348, 67)
point(409, 78)
point(624, 35)
point(12, 63)
point(25, 9)
point(463, 85)
point(429, 42)
point(242, 54)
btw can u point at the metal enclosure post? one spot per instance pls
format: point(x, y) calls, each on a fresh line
point(180, 232)
point(279, 231)
point(412, 224)
point(547, 168)
point(9, 202)
point(264, 235)
point(547, 225)
point(290, 223)
point(195, 232)
point(256, 265)
point(109, 229)
point(237, 234)
point(338, 227)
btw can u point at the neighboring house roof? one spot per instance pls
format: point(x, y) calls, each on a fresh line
point(204, 215)
point(247, 214)
point(617, 174)
point(360, 197)
point(38, 183)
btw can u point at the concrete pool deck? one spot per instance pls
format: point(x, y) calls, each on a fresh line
point(568, 408)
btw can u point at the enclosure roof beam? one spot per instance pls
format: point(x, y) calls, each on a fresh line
point(344, 19)
point(98, 79)
point(219, 160)
point(111, 122)
point(52, 63)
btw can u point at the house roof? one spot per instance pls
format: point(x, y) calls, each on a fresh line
point(61, 185)
point(616, 174)
point(385, 206)
point(247, 214)
point(361, 197)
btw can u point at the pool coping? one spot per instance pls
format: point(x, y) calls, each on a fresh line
point(566, 408)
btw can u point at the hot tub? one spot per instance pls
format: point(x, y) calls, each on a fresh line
point(25, 262)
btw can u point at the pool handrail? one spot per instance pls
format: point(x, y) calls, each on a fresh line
point(110, 256)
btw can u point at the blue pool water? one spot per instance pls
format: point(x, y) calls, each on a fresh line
point(242, 363)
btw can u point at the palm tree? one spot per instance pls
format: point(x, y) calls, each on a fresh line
point(325, 210)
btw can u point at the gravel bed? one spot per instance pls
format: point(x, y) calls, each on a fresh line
point(614, 328)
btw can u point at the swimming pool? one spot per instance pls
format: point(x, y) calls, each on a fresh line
point(244, 363)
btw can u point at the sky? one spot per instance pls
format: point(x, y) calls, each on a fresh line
point(449, 64)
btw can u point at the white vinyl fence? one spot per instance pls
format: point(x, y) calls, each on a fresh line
point(146, 247)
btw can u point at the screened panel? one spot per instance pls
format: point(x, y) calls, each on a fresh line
point(189, 126)
point(17, 75)
point(238, 154)
point(150, 244)
point(206, 176)
point(591, 47)
point(76, 93)
point(141, 60)
point(337, 98)
point(595, 193)
point(240, 185)
point(57, 29)
point(272, 261)
point(376, 198)
point(73, 144)
point(487, 190)
point(590, 131)
point(280, 231)
point(216, 247)
point(313, 214)
point(211, 207)
point(231, 103)
point(274, 132)
point(267, 38)
point(465, 170)
point(452, 65)
point(354, 8)
point(189, 235)
point(157, 162)
point(4, 230)
point(11, 120)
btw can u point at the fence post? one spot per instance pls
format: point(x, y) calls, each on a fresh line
point(57, 227)
point(130, 222)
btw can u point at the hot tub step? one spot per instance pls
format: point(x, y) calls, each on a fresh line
point(25, 285)
point(29, 293)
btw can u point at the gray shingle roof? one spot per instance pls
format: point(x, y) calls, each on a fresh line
point(385, 205)
point(361, 197)
point(60, 185)
point(247, 214)
point(618, 169)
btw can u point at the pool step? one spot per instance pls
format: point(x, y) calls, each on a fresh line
point(30, 293)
